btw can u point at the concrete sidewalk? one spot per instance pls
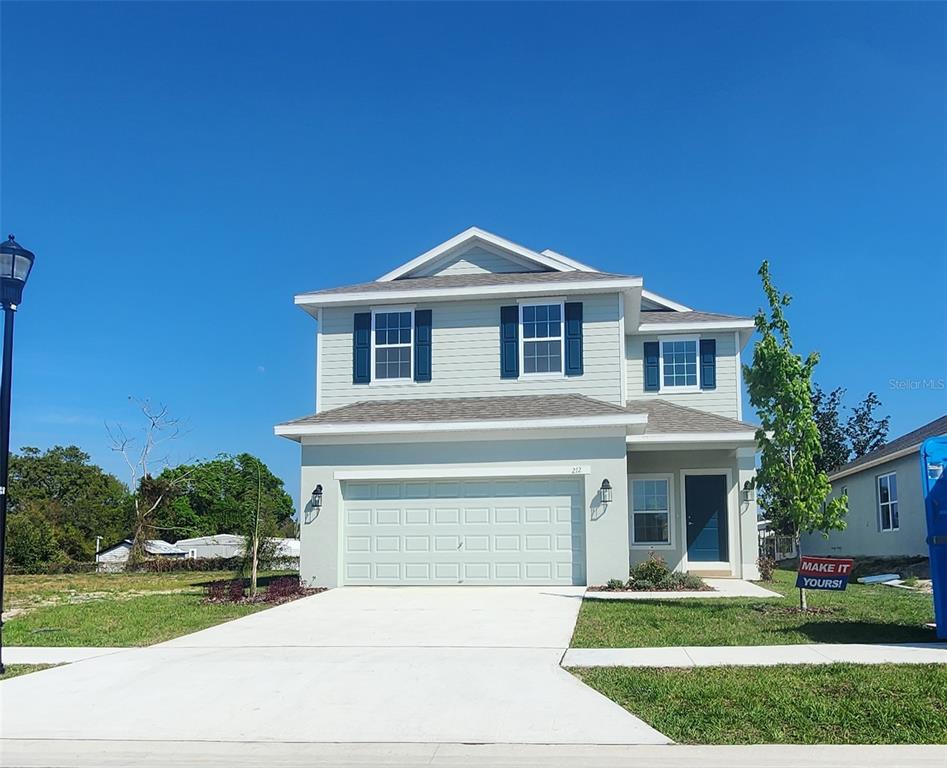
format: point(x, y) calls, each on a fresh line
point(17, 753)
point(757, 655)
point(721, 588)
point(23, 654)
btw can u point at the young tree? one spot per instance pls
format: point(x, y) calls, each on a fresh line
point(792, 489)
point(150, 492)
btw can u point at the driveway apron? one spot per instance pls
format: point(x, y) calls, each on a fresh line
point(356, 664)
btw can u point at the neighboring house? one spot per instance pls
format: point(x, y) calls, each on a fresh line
point(114, 558)
point(231, 545)
point(490, 414)
point(219, 545)
point(886, 516)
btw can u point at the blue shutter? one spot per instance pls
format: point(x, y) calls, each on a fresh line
point(422, 345)
point(362, 348)
point(573, 315)
point(509, 342)
point(652, 367)
point(708, 363)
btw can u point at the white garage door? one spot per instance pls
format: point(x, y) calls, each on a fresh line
point(509, 531)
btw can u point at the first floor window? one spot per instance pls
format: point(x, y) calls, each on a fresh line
point(542, 338)
point(679, 363)
point(888, 501)
point(650, 511)
point(392, 331)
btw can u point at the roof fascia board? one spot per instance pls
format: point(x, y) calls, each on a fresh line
point(658, 299)
point(470, 235)
point(714, 325)
point(618, 433)
point(411, 427)
point(685, 438)
point(875, 462)
point(566, 261)
point(466, 292)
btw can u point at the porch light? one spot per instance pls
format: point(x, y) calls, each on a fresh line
point(606, 492)
point(317, 498)
point(749, 491)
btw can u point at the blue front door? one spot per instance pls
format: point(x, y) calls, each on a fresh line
point(705, 500)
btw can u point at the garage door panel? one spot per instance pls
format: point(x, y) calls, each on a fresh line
point(509, 531)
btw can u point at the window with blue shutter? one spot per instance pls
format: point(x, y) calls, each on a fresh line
point(362, 348)
point(573, 316)
point(708, 363)
point(422, 345)
point(652, 366)
point(509, 342)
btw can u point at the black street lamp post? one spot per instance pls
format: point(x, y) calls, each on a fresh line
point(15, 265)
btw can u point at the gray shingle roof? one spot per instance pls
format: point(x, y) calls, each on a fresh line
point(665, 417)
point(659, 316)
point(469, 281)
point(463, 409)
point(936, 428)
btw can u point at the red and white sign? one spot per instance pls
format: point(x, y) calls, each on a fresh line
point(824, 572)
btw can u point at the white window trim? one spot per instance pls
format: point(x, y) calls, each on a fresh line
point(881, 527)
point(561, 373)
point(680, 388)
point(374, 380)
point(632, 544)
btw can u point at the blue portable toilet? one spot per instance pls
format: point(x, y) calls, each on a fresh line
point(934, 487)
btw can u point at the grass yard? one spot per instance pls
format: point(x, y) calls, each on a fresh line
point(832, 704)
point(861, 614)
point(15, 670)
point(112, 609)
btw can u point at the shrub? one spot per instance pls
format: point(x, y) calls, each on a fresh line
point(766, 566)
point(693, 582)
point(654, 570)
point(225, 590)
point(910, 581)
point(642, 585)
point(282, 588)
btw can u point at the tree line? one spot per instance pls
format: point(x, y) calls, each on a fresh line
point(60, 502)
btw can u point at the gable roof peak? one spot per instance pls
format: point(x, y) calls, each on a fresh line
point(474, 235)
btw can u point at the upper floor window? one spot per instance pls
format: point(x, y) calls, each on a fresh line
point(679, 363)
point(542, 338)
point(392, 336)
point(888, 501)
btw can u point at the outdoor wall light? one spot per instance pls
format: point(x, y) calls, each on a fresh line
point(317, 498)
point(749, 491)
point(606, 492)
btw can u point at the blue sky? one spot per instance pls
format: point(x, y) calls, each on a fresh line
point(182, 169)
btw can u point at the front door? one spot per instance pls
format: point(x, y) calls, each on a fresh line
point(705, 500)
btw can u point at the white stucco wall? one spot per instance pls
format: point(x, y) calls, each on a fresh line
point(863, 536)
point(741, 515)
point(603, 451)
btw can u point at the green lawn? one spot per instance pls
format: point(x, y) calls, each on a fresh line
point(112, 609)
point(832, 704)
point(15, 670)
point(861, 614)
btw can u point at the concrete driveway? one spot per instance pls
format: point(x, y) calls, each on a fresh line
point(408, 664)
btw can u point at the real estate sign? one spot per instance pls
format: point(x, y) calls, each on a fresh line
point(824, 573)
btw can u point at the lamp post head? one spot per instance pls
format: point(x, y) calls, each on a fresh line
point(15, 265)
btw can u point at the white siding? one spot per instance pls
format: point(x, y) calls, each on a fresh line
point(721, 401)
point(474, 261)
point(466, 356)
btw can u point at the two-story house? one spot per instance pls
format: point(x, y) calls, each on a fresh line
point(489, 414)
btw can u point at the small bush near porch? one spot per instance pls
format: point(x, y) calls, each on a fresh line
point(832, 704)
point(862, 614)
